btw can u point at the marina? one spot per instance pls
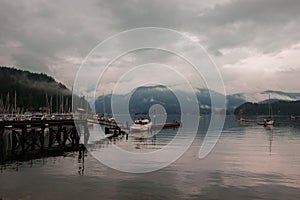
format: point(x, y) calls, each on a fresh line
point(27, 139)
point(149, 100)
point(249, 162)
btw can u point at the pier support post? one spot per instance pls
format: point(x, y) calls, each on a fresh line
point(51, 137)
point(14, 141)
point(72, 136)
point(65, 136)
point(86, 134)
point(23, 139)
point(58, 135)
point(42, 138)
point(1, 144)
point(33, 139)
point(75, 138)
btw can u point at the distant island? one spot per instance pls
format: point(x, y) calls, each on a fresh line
point(278, 108)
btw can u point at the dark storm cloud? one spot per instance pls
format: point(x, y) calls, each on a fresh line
point(47, 29)
point(51, 36)
point(267, 25)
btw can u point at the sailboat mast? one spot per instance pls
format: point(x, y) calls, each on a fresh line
point(47, 104)
point(269, 106)
point(7, 103)
point(86, 104)
point(57, 99)
point(103, 104)
point(1, 104)
point(62, 103)
point(15, 103)
point(67, 104)
point(71, 110)
point(50, 104)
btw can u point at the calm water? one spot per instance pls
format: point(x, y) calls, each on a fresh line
point(248, 162)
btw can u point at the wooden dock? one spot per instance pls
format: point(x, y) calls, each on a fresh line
point(168, 125)
point(23, 139)
point(31, 139)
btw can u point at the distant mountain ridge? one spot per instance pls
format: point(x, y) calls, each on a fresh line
point(141, 100)
point(35, 91)
point(261, 97)
point(144, 97)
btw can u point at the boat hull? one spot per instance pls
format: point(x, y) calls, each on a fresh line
point(269, 123)
point(140, 128)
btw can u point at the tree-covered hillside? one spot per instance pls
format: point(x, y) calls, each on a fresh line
point(278, 108)
point(31, 92)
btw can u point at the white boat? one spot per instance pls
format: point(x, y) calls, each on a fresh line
point(141, 125)
point(268, 122)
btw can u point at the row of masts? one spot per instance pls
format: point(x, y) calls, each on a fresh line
point(63, 104)
point(5, 104)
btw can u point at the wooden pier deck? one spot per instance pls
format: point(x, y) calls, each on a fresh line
point(31, 139)
point(22, 139)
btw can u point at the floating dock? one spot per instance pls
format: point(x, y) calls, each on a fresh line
point(168, 125)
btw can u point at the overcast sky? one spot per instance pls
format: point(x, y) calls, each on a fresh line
point(255, 43)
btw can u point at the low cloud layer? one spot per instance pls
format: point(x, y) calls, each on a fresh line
point(254, 43)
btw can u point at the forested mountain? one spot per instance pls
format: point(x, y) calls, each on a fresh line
point(278, 108)
point(141, 99)
point(40, 92)
point(144, 97)
point(31, 92)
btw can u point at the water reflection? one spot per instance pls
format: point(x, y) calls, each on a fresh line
point(80, 160)
point(249, 162)
point(270, 136)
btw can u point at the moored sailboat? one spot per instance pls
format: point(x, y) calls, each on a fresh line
point(269, 121)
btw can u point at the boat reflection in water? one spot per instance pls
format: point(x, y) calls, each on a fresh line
point(141, 128)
